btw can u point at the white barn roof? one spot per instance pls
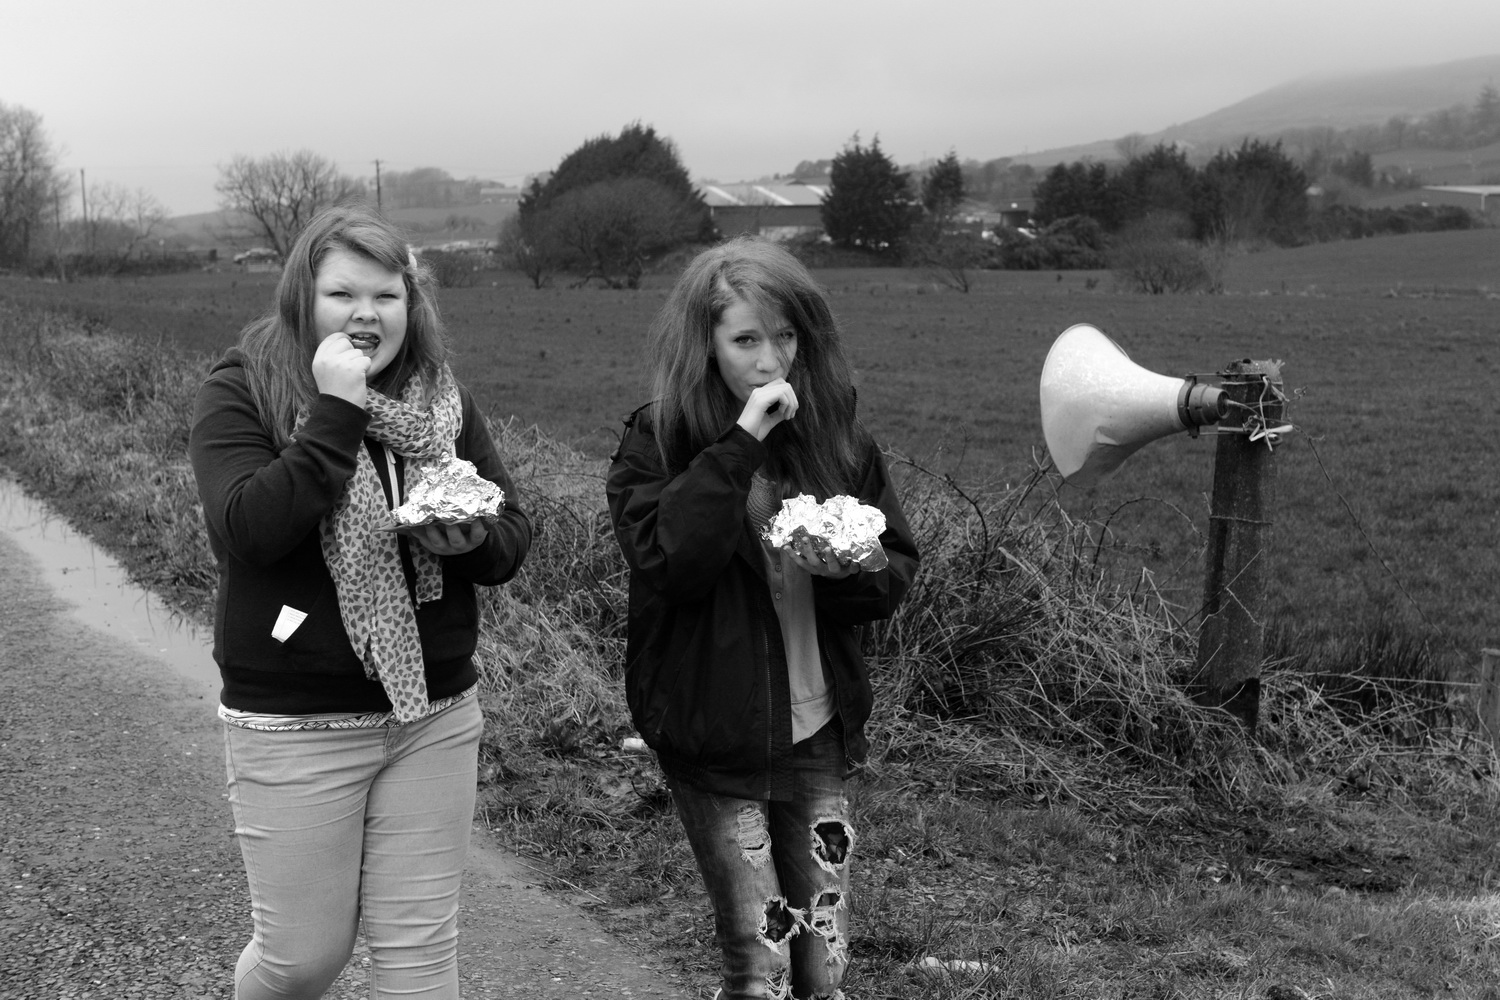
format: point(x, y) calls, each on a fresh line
point(724, 195)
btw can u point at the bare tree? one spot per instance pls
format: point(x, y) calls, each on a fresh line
point(612, 229)
point(528, 248)
point(270, 199)
point(30, 184)
point(121, 221)
point(948, 258)
point(1154, 255)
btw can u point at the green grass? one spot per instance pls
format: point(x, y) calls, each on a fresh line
point(1042, 797)
point(1383, 501)
point(1394, 383)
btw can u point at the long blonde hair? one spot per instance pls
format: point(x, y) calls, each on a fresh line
point(819, 450)
point(278, 347)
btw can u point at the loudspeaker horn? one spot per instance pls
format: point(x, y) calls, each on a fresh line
point(1098, 406)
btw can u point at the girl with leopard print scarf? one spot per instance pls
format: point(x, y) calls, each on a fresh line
point(347, 650)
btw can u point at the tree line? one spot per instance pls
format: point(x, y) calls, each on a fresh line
point(619, 204)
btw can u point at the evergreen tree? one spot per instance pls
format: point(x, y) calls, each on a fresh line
point(943, 189)
point(1157, 182)
point(637, 152)
point(870, 202)
point(1357, 168)
point(1078, 189)
point(1486, 116)
point(1255, 192)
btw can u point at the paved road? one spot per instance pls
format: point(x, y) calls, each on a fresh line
point(119, 876)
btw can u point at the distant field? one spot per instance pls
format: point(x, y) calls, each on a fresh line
point(1459, 263)
point(491, 214)
point(1390, 347)
point(427, 224)
point(1444, 166)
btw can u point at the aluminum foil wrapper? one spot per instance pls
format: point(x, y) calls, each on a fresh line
point(840, 524)
point(449, 491)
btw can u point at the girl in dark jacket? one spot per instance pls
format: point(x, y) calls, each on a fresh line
point(743, 663)
point(346, 650)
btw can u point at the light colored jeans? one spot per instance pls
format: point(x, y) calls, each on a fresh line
point(336, 825)
point(778, 876)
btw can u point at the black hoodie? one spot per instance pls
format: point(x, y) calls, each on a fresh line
point(262, 507)
point(705, 669)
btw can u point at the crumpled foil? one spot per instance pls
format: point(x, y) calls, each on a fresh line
point(448, 491)
point(841, 524)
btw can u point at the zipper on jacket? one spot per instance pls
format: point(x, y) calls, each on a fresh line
point(765, 639)
point(838, 696)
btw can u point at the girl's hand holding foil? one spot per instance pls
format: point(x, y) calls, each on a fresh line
point(450, 539)
point(818, 562)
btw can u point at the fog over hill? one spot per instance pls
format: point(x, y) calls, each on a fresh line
point(1339, 102)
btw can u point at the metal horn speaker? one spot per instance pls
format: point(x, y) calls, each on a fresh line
point(1098, 406)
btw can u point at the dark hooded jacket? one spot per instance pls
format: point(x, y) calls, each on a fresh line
point(262, 506)
point(705, 667)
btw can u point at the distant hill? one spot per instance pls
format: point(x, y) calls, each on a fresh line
point(1338, 102)
point(204, 229)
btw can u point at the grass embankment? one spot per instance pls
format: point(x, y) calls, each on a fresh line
point(1042, 798)
point(1384, 511)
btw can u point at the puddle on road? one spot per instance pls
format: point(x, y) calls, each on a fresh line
point(102, 594)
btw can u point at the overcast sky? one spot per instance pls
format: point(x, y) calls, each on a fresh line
point(158, 94)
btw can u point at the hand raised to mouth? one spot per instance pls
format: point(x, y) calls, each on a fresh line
point(340, 368)
point(768, 406)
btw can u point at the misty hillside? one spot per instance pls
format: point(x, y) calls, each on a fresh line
point(1337, 102)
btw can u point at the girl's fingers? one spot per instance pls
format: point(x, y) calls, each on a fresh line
point(819, 563)
point(453, 539)
point(767, 406)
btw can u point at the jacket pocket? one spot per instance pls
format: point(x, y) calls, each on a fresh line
point(321, 644)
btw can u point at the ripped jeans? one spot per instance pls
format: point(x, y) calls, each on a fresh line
point(778, 875)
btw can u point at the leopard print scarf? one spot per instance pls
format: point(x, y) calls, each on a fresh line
point(366, 563)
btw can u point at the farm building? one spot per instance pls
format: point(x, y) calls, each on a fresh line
point(1481, 198)
point(779, 211)
point(498, 194)
point(1017, 214)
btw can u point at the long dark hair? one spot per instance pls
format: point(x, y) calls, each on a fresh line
point(278, 347)
point(818, 450)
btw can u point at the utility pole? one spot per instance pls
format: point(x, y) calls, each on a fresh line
point(62, 274)
point(378, 206)
point(83, 190)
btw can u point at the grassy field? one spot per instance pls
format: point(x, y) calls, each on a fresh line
point(1384, 499)
point(1042, 798)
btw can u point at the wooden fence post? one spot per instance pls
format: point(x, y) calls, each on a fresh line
point(1487, 697)
point(1231, 639)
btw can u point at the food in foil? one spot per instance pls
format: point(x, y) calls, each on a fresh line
point(448, 491)
point(842, 525)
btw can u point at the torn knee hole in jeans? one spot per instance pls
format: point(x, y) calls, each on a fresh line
point(823, 921)
point(754, 839)
point(778, 923)
point(832, 841)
